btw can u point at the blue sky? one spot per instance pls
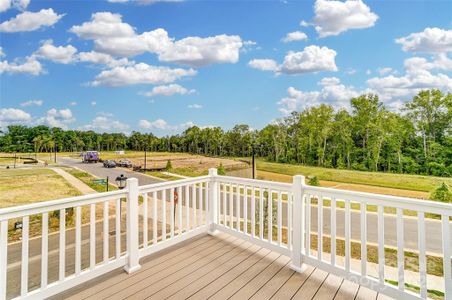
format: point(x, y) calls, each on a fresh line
point(161, 66)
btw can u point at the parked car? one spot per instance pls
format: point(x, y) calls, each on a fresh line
point(109, 164)
point(124, 163)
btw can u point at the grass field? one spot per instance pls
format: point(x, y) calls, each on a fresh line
point(24, 186)
point(87, 178)
point(388, 180)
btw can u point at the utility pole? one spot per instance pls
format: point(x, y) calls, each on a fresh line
point(253, 163)
point(145, 149)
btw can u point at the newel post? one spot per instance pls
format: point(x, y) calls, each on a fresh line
point(213, 202)
point(132, 230)
point(298, 223)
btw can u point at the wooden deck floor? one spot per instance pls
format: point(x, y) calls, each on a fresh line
point(220, 267)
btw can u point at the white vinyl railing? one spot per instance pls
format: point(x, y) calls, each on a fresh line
point(313, 225)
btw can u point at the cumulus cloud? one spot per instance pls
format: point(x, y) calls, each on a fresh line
point(384, 71)
point(102, 59)
point(264, 64)
point(58, 54)
point(57, 118)
point(168, 90)
point(161, 124)
point(431, 40)
point(140, 73)
point(106, 123)
point(195, 106)
point(10, 116)
point(32, 103)
point(30, 21)
point(113, 36)
point(18, 4)
point(332, 92)
point(29, 66)
point(312, 59)
point(335, 17)
point(420, 74)
point(295, 36)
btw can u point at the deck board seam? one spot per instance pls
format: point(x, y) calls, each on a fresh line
point(153, 266)
point(282, 267)
point(248, 280)
point(303, 283)
point(227, 244)
point(191, 295)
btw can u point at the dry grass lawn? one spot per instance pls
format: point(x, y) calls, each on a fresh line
point(24, 186)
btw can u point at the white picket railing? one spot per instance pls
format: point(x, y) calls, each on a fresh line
point(288, 218)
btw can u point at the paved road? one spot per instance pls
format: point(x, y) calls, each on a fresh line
point(101, 172)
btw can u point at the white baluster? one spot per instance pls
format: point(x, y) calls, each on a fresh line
point(400, 251)
point(24, 261)
point(44, 249)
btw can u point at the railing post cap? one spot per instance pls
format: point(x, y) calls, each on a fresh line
point(213, 172)
point(132, 181)
point(299, 179)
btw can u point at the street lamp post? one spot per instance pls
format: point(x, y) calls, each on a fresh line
point(121, 182)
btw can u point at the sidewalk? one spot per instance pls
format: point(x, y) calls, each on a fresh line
point(75, 182)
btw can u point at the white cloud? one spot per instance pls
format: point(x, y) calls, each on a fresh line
point(10, 116)
point(332, 92)
point(168, 90)
point(195, 106)
point(384, 71)
point(18, 4)
point(419, 74)
point(431, 40)
point(311, 59)
point(196, 51)
point(335, 17)
point(93, 103)
point(105, 123)
point(30, 21)
point(112, 36)
point(57, 118)
point(264, 64)
point(32, 103)
point(295, 36)
point(73, 103)
point(29, 66)
point(140, 73)
point(161, 124)
point(103, 25)
point(58, 54)
point(1, 52)
point(102, 59)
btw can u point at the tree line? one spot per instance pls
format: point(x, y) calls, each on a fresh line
point(369, 137)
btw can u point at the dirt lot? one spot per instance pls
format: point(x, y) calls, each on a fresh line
point(179, 161)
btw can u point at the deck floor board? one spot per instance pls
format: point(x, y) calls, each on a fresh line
point(218, 267)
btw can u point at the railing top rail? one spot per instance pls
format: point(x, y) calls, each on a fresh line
point(170, 184)
point(386, 200)
point(255, 182)
point(47, 206)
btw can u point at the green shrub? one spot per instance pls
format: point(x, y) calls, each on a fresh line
point(221, 170)
point(169, 166)
point(314, 181)
point(442, 193)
